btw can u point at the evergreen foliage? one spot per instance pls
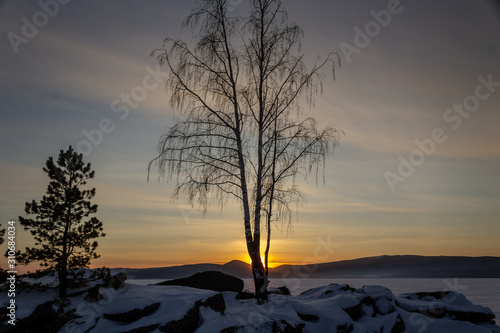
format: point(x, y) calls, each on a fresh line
point(64, 227)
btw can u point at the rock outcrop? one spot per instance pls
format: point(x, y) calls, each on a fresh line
point(211, 280)
point(218, 305)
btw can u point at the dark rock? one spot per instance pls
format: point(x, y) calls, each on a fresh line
point(192, 319)
point(211, 280)
point(380, 298)
point(144, 329)
point(284, 290)
point(366, 307)
point(437, 305)
point(391, 323)
point(215, 302)
point(342, 287)
point(117, 280)
point(132, 315)
point(399, 325)
point(473, 317)
point(284, 327)
point(355, 312)
point(43, 319)
point(94, 295)
point(93, 326)
point(347, 288)
point(432, 310)
point(4, 311)
point(232, 329)
point(308, 317)
point(188, 324)
point(384, 305)
point(371, 301)
point(245, 295)
point(279, 291)
point(346, 328)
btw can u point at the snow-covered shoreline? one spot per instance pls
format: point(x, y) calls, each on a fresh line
point(331, 308)
point(485, 292)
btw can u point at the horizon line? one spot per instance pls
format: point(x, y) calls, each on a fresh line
point(280, 264)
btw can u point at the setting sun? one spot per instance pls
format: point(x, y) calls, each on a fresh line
point(272, 263)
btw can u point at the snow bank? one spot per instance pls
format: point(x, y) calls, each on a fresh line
point(332, 308)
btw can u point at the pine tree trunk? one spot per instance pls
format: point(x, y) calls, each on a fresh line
point(63, 268)
point(63, 280)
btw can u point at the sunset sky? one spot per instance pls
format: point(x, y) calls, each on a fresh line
point(417, 95)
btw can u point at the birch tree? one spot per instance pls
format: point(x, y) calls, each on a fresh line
point(240, 133)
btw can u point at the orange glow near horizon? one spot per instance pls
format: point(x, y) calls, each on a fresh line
point(272, 263)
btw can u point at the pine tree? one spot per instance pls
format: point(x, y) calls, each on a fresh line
point(2, 232)
point(64, 228)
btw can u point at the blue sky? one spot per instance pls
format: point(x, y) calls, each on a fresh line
point(403, 78)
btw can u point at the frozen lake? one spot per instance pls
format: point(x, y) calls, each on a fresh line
point(484, 292)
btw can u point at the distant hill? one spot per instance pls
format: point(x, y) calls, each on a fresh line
point(403, 266)
point(235, 268)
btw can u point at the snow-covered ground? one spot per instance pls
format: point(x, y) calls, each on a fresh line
point(326, 307)
point(485, 292)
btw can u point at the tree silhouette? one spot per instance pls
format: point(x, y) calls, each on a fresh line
point(2, 232)
point(62, 236)
point(240, 89)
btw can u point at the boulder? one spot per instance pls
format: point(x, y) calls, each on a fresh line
point(284, 290)
point(355, 311)
point(368, 301)
point(187, 324)
point(279, 291)
point(215, 303)
point(192, 320)
point(211, 280)
point(450, 304)
point(381, 299)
